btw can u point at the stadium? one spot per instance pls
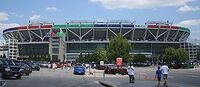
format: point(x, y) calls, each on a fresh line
point(66, 41)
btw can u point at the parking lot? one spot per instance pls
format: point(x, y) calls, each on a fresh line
point(57, 78)
point(66, 78)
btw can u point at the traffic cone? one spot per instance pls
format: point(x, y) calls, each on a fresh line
point(145, 77)
point(154, 78)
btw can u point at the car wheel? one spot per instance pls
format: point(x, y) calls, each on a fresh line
point(18, 77)
point(27, 73)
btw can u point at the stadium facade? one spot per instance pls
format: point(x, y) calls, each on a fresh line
point(66, 41)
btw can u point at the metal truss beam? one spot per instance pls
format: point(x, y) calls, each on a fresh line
point(112, 31)
point(127, 32)
point(29, 35)
point(161, 34)
point(86, 33)
point(176, 35)
point(145, 34)
point(20, 36)
point(75, 34)
point(152, 34)
point(36, 34)
point(48, 34)
point(13, 37)
point(133, 32)
point(166, 39)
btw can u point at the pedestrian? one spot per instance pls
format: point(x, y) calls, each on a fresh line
point(130, 71)
point(158, 75)
point(49, 66)
point(54, 66)
point(165, 72)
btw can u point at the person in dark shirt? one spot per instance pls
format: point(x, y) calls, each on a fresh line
point(158, 75)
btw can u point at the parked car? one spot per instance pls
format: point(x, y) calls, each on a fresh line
point(99, 67)
point(59, 65)
point(116, 70)
point(32, 65)
point(79, 69)
point(9, 69)
point(26, 69)
point(44, 65)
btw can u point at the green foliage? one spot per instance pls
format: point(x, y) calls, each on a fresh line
point(169, 55)
point(85, 59)
point(181, 55)
point(140, 58)
point(119, 47)
point(100, 54)
point(174, 55)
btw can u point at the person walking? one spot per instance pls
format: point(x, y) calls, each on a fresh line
point(54, 66)
point(158, 75)
point(130, 71)
point(49, 66)
point(165, 72)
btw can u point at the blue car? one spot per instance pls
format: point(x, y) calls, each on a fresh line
point(79, 69)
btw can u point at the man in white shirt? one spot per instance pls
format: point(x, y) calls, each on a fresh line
point(165, 72)
point(130, 71)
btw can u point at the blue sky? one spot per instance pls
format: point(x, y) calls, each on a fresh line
point(181, 12)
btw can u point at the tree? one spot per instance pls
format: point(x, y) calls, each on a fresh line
point(181, 55)
point(119, 47)
point(87, 58)
point(168, 55)
point(100, 54)
point(82, 59)
point(172, 55)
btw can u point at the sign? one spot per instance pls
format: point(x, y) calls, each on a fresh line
point(119, 61)
point(101, 63)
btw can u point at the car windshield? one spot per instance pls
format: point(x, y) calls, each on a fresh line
point(78, 64)
point(9, 62)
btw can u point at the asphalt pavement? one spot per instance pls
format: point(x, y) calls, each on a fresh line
point(95, 78)
point(145, 78)
point(57, 78)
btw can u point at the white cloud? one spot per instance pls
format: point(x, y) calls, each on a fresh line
point(17, 15)
point(193, 25)
point(3, 16)
point(35, 17)
point(187, 8)
point(191, 22)
point(51, 9)
point(5, 26)
point(140, 4)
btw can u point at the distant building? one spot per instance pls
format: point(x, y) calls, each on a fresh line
point(3, 50)
point(191, 49)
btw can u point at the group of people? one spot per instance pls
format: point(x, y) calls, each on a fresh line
point(160, 72)
point(52, 66)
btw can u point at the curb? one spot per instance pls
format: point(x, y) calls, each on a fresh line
point(106, 84)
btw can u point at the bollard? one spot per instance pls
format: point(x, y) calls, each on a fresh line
point(104, 76)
